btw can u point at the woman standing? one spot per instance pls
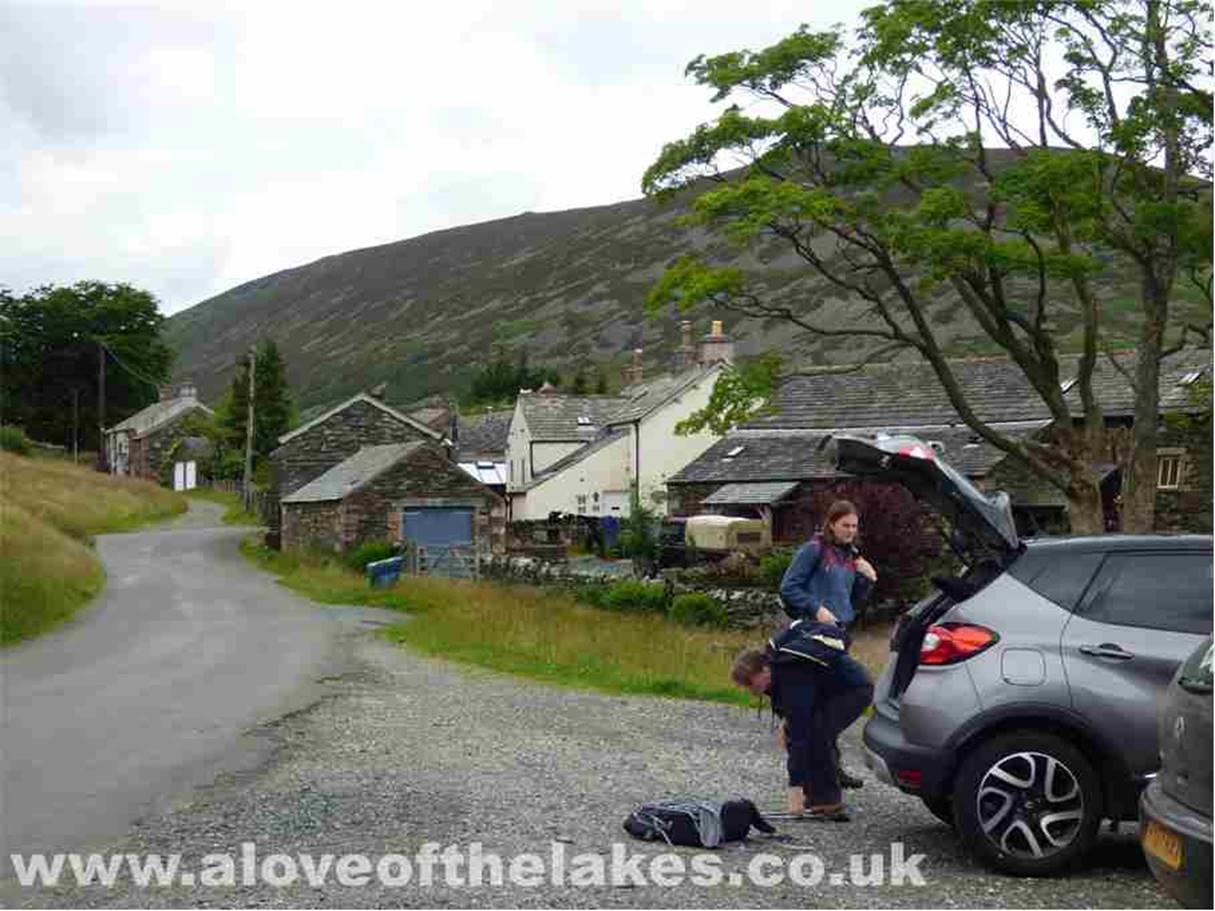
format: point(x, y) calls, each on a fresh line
point(825, 582)
point(828, 576)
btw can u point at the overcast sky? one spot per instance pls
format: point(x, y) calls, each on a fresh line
point(189, 147)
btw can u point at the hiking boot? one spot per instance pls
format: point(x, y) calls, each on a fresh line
point(835, 813)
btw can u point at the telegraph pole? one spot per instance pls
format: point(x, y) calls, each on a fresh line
point(102, 461)
point(249, 430)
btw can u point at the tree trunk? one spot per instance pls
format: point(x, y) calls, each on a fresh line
point(1084, 510)
point(1138, 512)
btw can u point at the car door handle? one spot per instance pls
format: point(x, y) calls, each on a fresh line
point(1107, 650)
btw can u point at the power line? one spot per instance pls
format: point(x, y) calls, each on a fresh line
point(129, 369)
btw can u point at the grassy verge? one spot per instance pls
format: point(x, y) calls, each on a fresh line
point(234, 510)
point(49, 511)
point(542, 634)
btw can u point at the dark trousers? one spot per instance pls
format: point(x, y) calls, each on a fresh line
point(840, 697)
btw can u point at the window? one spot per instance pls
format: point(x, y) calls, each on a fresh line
point(1168, 470)
point(581, 498)
point(1058, 577)
point(1190, 378)
point(584, 421)
point(737, 450)
point(1066, 386)
point(1169, 591)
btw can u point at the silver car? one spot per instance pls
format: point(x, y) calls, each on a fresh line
point(1021, 700)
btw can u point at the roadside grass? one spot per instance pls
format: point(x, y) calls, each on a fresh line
point(45, 575)
point(82, 502)
point(49, 511)
point(542, 634)
point(234, 509)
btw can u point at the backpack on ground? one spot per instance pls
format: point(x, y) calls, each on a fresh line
point(696, 823)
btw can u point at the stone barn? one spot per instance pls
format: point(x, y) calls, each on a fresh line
point(394, 491)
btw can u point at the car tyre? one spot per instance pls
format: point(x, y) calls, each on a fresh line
point(1027, 803)
point(941, 808)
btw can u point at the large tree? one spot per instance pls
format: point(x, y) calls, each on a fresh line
point(274, 411)
point(935, 154)
point(52, 340)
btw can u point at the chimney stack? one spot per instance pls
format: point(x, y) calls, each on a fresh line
point(633, 373)
point(716, 347)
point(685, 354)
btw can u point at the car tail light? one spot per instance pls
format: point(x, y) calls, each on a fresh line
point(910, 778)
point(949, 643)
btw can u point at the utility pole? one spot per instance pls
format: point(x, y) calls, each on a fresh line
point(249, 430)
point(102, 461)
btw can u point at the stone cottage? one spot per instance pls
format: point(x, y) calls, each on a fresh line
point(393, 491)
point(140, 445)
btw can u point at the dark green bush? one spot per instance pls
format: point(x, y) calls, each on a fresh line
point(369, 552)
point(13, 439)
point(590, 594)
point(772, 567)
point(634, 595)
point(696, 609)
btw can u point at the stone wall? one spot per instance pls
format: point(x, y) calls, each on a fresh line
point(308, 456)
point(373, 511)
point(1188, 508)
point(312, 525)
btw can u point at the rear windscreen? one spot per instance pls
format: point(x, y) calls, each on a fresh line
point(1060, 577)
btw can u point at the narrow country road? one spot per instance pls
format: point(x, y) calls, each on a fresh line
point(153, 688)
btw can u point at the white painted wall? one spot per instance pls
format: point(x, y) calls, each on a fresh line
point(545, 454)
point(600, 471)
point(662, 452)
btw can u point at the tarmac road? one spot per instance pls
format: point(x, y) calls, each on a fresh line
point(151, 689)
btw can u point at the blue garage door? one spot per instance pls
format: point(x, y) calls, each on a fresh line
point(438, 527)
point(444, 541)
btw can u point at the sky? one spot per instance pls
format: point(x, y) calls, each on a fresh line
point(186, 148)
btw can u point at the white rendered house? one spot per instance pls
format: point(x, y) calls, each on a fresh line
point(585, 454)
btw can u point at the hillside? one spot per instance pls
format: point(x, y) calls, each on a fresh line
point(567, 287)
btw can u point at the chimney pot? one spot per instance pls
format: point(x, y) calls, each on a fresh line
point(716, 347)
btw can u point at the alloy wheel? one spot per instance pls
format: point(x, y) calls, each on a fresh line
point(1030, 805)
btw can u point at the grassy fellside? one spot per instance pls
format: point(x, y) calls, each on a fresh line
point(234, 509)
point(49, 511)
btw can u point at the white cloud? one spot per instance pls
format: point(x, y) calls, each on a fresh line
point(187, 148)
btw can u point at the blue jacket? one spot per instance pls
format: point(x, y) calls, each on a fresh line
point(823, 574)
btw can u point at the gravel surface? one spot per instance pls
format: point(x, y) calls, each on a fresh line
point(403, 750)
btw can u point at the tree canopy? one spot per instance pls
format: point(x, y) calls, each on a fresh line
point(274, 411)
point(1004, 157)
point(51, 342)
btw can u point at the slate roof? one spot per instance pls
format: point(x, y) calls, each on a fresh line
point(348, 476)
point(908, 393)
point(483, 435)
point(648, 396)
point(158, 414)
point(758, 456)
point(762, 493)
point(554, 417)
point(753, 455)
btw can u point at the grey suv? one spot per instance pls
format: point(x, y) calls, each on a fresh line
point(1021, 700)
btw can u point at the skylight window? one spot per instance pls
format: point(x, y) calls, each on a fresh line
point(1190, 378)
point(1066, 386)
point(584, 421)
point(735, 452)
